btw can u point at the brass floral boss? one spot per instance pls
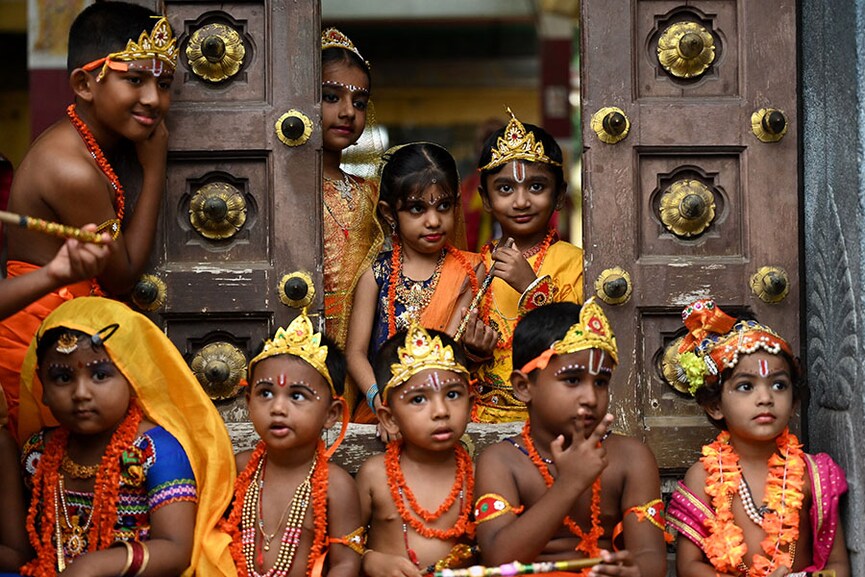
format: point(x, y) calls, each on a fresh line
point(687, 208)
point(293, 128)
point(296, 290)
point(686, 49)
point(769, 124)
point(215, 52)
point(611, 124)
point(217, 210)
point(613, 286)
point(149, 293)
point(220, 368)
point(770, 284)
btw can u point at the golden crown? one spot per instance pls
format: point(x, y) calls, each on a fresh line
point(333, 38)
point(517, 144)
point(593, 331)
point(160, 43)
point(421, 352)
point(299, 340)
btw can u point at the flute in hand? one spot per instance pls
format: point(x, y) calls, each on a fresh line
point(517, 568)
point(52, 228)
point(476, 302)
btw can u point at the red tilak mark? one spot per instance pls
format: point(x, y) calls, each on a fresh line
point(764, 368)
point(519, 171)
point(281, 381)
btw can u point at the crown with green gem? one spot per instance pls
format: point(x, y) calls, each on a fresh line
point(517, 144)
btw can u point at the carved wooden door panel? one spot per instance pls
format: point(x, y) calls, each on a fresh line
point(242, 206)
point(690, 186)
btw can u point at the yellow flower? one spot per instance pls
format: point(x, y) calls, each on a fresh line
point(694, 369)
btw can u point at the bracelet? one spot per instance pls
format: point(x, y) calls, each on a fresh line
point(145, 561)
point(129, 556)
point(371, 394)
point(138, 556)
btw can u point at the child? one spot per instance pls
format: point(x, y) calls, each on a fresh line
point(134, 480)
point(522, 184)
point(562, 489)
point(747, 380)
point(14, 549)
point(424, 277)
point(121, 64)
point(290, 502)
point(417, 498)
point(352, 235)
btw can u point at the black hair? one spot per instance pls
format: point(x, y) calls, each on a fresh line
point(709, 394)
point(337, 55)
point(540, 328)
point(335, 363)
point(412, 168)
point(103, 28)
point(551, 148)
point(388, 354)
point(49, 340)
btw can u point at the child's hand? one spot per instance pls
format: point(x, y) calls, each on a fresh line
point(478, 336)
point(585, 458)
point(618, 564)
point(377, 564)
point(511, 266)
point(153, 150)
point(77, 261)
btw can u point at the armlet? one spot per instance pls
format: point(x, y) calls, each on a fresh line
point(356, 540)
point(540, 292)
point(653, 512)
point(492, 505)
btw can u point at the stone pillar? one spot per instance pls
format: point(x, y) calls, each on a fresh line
point(832, 64)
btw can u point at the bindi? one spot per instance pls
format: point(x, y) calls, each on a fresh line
point(350, 87)
point(570, 368)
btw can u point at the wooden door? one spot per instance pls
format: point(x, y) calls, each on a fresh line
point(691, 185)
point(242, 206)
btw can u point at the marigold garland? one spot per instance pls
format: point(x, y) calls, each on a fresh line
point(106, 490)
point(232, 525)
point(396, 272)
point(539, 249)
point(464, 482)
point(725, 546)
point(588, 541)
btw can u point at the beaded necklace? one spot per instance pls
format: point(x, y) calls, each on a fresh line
point(463, 489)
point(588, 541)
point(539, 249)
point(54, 546)
point(396, 276)
point(96, 152)
point(725, 545)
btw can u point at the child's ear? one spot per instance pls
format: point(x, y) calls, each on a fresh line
point(714, 411)
point(80, 81)
point(562, 196)
point(521, 385)
point(387, 420)
point(485, 199)
point(387, 213)
point(334, 412)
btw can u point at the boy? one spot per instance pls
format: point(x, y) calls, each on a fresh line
point(290, 503)
point(563, 489)
point(417, 498)
point(121, 63)
point(522, 184)
point(747, 379)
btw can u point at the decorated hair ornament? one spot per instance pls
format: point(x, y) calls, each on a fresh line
point(517, 144)
point(421, 352)
point(591, 332)
point(300, 340)
point(158, 50)
point(333, 38)
point(715, 340)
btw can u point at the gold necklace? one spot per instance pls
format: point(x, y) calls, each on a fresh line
point(77, 471)
point(343, 186)
point(74, 538)
point(415, 295)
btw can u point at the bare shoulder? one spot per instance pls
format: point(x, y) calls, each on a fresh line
point(372, 471)
point(498, 459)
point(241, 459)
point(627, 450)
point(338, 480)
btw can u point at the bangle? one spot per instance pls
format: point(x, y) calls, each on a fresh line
point(371, 394)
point(136, 562)
point(129, 556)
point(145, 561)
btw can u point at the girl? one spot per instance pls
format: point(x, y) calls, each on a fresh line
point(352, 235)
point(115, 486)
point(755, 504)
point(424, 277)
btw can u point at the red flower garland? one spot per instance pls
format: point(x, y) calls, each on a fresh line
point(106, 492)
point(588, 541)
point(396, 271)
point(463, 481)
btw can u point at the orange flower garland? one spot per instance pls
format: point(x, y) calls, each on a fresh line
point(396, 271)
point(464, 480)
point(588, 541)
point(725, 546)
point(106, 492)
point(539, 249)
point(233, 527)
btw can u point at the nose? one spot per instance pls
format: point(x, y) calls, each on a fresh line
point(440, 408)
point(521, 198)
point(765, 395)
point(588, 395)
point(149, 94)
point(279, 406)
point(433, 218)
point(346, 108)
point(81, 391)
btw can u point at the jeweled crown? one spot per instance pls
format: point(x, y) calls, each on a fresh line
point(300, 340)
point(159, 43)
point(593, 331)
point(421, 352)
point(517, 144)
point(333, 38)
